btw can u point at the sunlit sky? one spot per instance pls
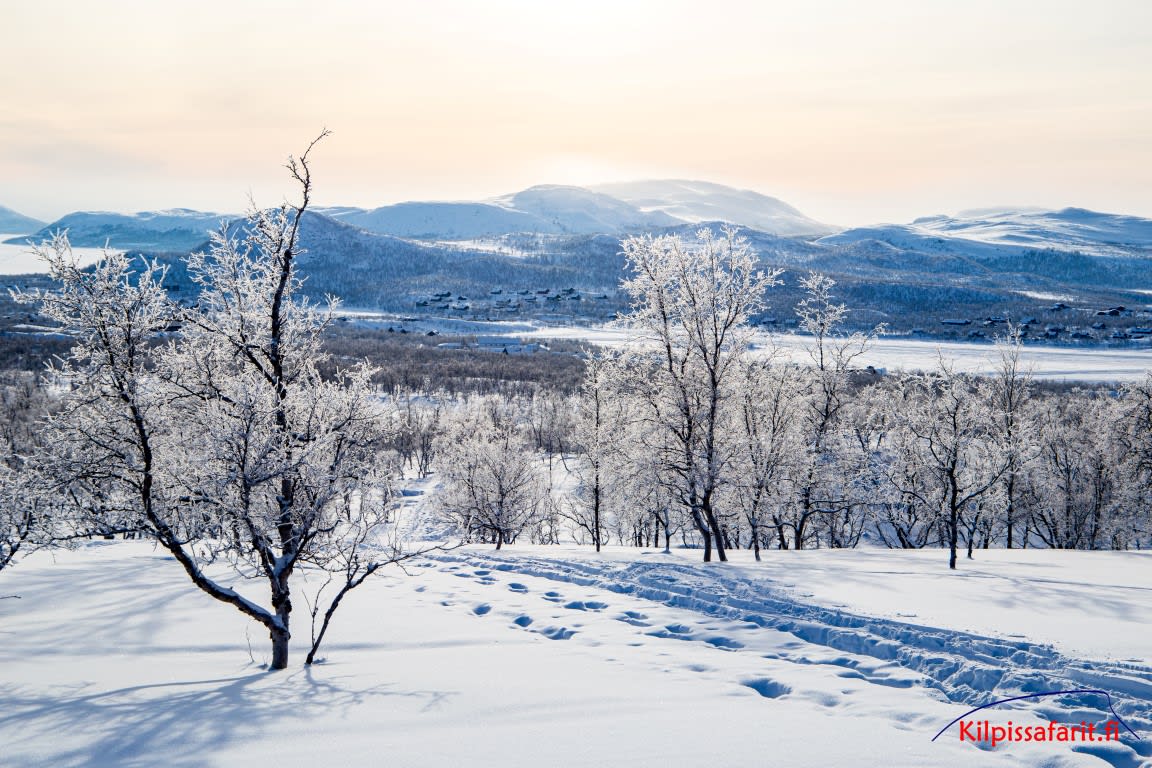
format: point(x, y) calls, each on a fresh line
point(856, 111)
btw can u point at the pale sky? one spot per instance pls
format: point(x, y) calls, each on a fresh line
point(855, 111)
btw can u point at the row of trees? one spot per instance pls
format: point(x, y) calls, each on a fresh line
point(693, 434)
point(805, 460)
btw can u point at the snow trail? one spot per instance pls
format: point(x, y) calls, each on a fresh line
point(965, 668)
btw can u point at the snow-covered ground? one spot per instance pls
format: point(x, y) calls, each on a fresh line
point(558, 656)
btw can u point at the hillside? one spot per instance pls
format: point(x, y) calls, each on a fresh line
point(13, 222)
point(697, 201)
point(172, 230)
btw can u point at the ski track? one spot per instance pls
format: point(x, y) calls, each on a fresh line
point(965, 668)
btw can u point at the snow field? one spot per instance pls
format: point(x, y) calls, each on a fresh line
point(530, 656)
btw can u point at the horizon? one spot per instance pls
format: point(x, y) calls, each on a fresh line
point(853, 114)
point(982, 210)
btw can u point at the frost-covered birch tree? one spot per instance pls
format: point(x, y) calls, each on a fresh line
point(494, 485)
point(1010, 391)
point(221, 441)
point(602, 418)
point(692, 301)
point(816, 479)
point(26, 514)
point(950, 421)
point(769, 402)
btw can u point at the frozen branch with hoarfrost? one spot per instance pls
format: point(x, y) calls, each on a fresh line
point(211, 429)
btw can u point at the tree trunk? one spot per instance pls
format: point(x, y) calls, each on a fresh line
point(710, 516)
point(596, 512)
point(1011, 511)
point(953, 534)
point(280, 639)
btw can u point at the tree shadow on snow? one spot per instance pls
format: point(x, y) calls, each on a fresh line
point(183, 724)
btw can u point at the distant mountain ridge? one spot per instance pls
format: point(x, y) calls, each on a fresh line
point(987, 233)
point(906, 277)
point(177, 229)
point(546, 209)
point(554, 252)
point(14, 222)
point(702, 201)
point(1068, 229)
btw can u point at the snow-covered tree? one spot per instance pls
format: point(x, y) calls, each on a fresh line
point(27, 513)
point(1077, 476)
point(418, 430)
point(493, 482)
point(221, 441)
point(603, 420)
point(768, 396)
point(1134, 444)
point(949, 419)
point(817, 481)
point(692, 301)
point(1010, 390)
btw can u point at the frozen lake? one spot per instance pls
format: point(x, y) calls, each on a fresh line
point(19, 260)
point(1046, 362)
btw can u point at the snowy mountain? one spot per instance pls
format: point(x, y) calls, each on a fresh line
point(1070, 229)
point(580, 210)
point(695, 201)
point(540, 210)
point(450, 221)
point(14, 222)
point(544, 209)
point(179, 229)
point(991, 231)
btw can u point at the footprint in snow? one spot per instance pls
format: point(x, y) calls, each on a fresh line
point(553, 597)
point(557, 633)
point(590, 605)
point(482, 609)
point(766, 687)
point(522, 621)
point(724, 643)
point(517, 587)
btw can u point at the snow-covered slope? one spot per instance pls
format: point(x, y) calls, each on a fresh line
point(1069, 229)
point(694, 201)
point(438, 220)
point(575, 209)
point(987, 232)
point(176, 229)
point(14, 222)
point(558, 656)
